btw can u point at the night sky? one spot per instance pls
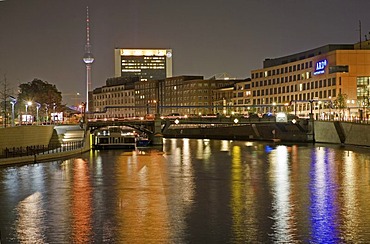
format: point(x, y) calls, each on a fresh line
point(45, 39)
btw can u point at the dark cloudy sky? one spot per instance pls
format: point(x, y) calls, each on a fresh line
point(45, 38)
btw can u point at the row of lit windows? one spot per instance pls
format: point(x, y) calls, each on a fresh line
point(141, 66)
point(242, 101)
point(114, 102)
point(282, 70)
point(114, 95)
point(142, 99)
point(286, 79)
point(115, 115)
point(138, 68)
point(295, 88)
point(113, 89)
point(326, 95)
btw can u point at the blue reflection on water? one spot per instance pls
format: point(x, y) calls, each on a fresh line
point(268, 149)
point(323, 189)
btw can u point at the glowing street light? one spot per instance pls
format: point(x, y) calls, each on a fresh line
point(38, 106)
point(27, 104)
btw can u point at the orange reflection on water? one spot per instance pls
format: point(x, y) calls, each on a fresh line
point(81, 203)
point(142, 213)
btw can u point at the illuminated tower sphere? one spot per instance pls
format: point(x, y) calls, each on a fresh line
point(88, 59)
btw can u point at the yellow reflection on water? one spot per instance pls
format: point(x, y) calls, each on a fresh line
point(142, 212)
point(351, 218)
point(30, 226)
point(237, 194)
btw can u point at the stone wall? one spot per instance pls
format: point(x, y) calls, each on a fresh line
point(22, 136)
point(342, 132)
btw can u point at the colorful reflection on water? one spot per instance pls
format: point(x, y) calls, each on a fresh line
point(191, 191)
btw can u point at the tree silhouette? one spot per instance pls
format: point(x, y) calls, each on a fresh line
point(43, 93)
point(340, 103)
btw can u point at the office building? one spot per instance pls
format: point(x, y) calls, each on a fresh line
point(116, 99)
point(147, 64)
point(234, 99)
point(186, 95)
point(314, 80)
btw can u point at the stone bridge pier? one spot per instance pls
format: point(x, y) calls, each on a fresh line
point(157, 136)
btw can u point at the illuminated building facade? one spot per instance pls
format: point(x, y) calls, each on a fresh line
point(317, 77)
point(116, 99)
point(234, 99)
point(185, 95)
point(223, 97)
point(147, 64)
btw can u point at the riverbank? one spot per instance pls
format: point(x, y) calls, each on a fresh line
point(41, 135)
point(332, 132)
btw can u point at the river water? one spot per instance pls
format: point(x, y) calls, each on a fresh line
point(192, 191)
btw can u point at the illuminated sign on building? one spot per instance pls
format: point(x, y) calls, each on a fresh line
point(320, 67)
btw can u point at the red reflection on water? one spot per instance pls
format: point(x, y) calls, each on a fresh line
point(81, 203)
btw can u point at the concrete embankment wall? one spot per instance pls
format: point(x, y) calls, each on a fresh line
point(342, 132)
point(47, 157)
point(23, 136)
point(335, 132)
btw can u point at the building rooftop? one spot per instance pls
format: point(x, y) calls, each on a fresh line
point(306, 54)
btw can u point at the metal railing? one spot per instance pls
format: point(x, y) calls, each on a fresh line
point(42, 149)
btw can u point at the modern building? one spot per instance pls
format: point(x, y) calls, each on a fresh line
point(147, 64)
point(332, 79)
point(223, 100)
point(185, 95)
point(234, 99)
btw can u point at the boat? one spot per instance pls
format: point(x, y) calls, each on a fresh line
point(142, 141)
point(114, 138)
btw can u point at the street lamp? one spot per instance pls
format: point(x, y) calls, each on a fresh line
point(27, 104)
point(320, 109)
point(13, 101)
point(38, 106)
point(54, 115)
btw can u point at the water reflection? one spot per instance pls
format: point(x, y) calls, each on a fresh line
point(191, 191)
point(30, 227)
point(142, 210)
point(350, 203)
point(81, 202)
point(323, 188)
point(284, 222)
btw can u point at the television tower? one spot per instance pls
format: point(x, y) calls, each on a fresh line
point(88, 59)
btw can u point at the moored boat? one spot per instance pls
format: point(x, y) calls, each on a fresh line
point(142, 141)
point(114, 138)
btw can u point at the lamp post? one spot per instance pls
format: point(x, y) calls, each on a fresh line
point(330, 108)
point(27, 104)
point(38, 106)
point(54, 106)
point(13, 101)
point(319, 109)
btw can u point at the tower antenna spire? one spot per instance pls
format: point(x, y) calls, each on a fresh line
point(88, 59)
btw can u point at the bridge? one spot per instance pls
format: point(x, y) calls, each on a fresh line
point(176, 126)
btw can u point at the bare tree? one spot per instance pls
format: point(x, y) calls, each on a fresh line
point(5, 92)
